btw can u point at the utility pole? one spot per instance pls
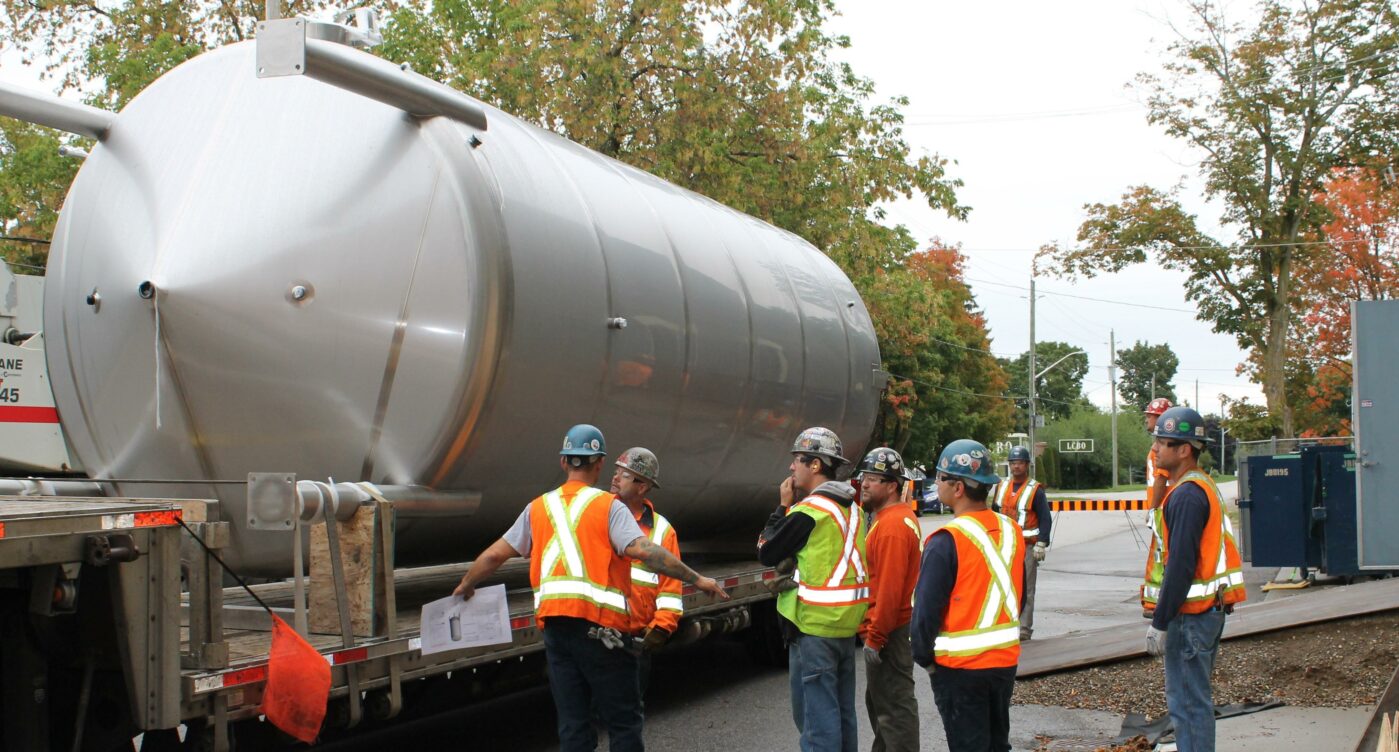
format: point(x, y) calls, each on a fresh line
point(1197, 395)
point(1112, 377)
point(1031, 371)
point(1153, 385)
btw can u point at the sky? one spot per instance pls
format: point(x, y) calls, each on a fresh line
point(1029, 100)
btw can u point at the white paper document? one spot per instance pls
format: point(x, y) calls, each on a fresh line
point(454, 624)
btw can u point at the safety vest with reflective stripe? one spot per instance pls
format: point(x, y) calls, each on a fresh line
point(832, 590)
point(572, 567)
point(1019, 506)
point(656, 600)
point(1218, 576)
point(981, 626)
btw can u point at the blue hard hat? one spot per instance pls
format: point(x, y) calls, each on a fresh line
point(583, 440)
point(1018, 454)
point(1181, 423)
point(967, 459)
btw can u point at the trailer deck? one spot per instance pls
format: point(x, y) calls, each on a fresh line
point(374, 660)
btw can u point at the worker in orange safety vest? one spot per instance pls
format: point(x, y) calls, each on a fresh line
point(1156, 481)
point(966, 608)
point(1203, 578)
point(1022, 499)
point(657, 599)
point(581, 542)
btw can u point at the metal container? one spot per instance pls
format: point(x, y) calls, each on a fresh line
point(278, 275)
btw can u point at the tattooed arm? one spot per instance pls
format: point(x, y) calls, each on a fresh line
point(661, 561)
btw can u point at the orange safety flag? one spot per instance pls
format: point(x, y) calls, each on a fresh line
point(298, 684)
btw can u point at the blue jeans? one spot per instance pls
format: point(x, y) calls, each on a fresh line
point(585, 676)
point(823, 692)
point(1192, 641)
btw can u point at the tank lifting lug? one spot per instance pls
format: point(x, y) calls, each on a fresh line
point(101, 550)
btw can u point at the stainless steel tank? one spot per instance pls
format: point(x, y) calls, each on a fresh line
point(276, 274)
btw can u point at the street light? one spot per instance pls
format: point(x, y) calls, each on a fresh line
point(1033, 379)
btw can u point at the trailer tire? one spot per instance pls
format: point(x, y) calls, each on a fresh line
point(764, 638)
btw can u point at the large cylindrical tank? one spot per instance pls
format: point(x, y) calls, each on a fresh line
point(343, 291)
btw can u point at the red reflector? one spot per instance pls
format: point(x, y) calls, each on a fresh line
point(522, 622)
point(245, 676)
point(769, 574)
point(16, 414)
point(731, 582)
point(158, 519)
point(2, 530)
point(350, 656)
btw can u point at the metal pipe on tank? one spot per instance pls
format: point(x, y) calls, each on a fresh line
point(297, 47)
point(43, 487)
point(45, 109)
point(342, 499)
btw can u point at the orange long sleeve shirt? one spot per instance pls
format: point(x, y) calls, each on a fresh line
point(893, 548)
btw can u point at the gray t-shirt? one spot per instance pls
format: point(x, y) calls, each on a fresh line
point(621, 529)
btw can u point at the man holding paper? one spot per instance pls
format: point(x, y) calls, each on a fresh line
point(581, 542)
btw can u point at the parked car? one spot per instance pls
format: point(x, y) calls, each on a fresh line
point(928, 503)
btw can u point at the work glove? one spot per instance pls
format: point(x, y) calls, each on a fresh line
point(654, 638)
point(1155, 642)
point(1040, 550)
point(872, 656)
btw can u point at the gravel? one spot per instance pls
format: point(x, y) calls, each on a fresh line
point(1342, 663)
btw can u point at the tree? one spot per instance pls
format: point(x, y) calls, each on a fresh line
point(1147, 371)
point(33, 180)
point(1363, 264)
point(945, 382)
point(1058, 392)
point(1090, 469)
point(1272, 110)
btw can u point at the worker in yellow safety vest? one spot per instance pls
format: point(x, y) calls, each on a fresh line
point(966, 608)
point(1202, 578)
point(657, 600)
point(825, 531)
point(581, 542)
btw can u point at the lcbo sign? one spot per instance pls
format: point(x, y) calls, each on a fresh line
point(1070, 446)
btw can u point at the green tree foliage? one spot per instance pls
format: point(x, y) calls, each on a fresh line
point(33, 180)
point(945, 383)
point(1093, 469)
point(1271, 109)
point(1142, 366)
point(1249, 422)
point(1058, 392)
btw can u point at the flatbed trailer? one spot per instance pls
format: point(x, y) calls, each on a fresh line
point(122, 617)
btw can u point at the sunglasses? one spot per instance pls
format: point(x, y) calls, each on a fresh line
point(947, 478)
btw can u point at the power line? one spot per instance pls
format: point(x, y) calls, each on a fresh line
point(1084, 297)
point(1016, 397)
